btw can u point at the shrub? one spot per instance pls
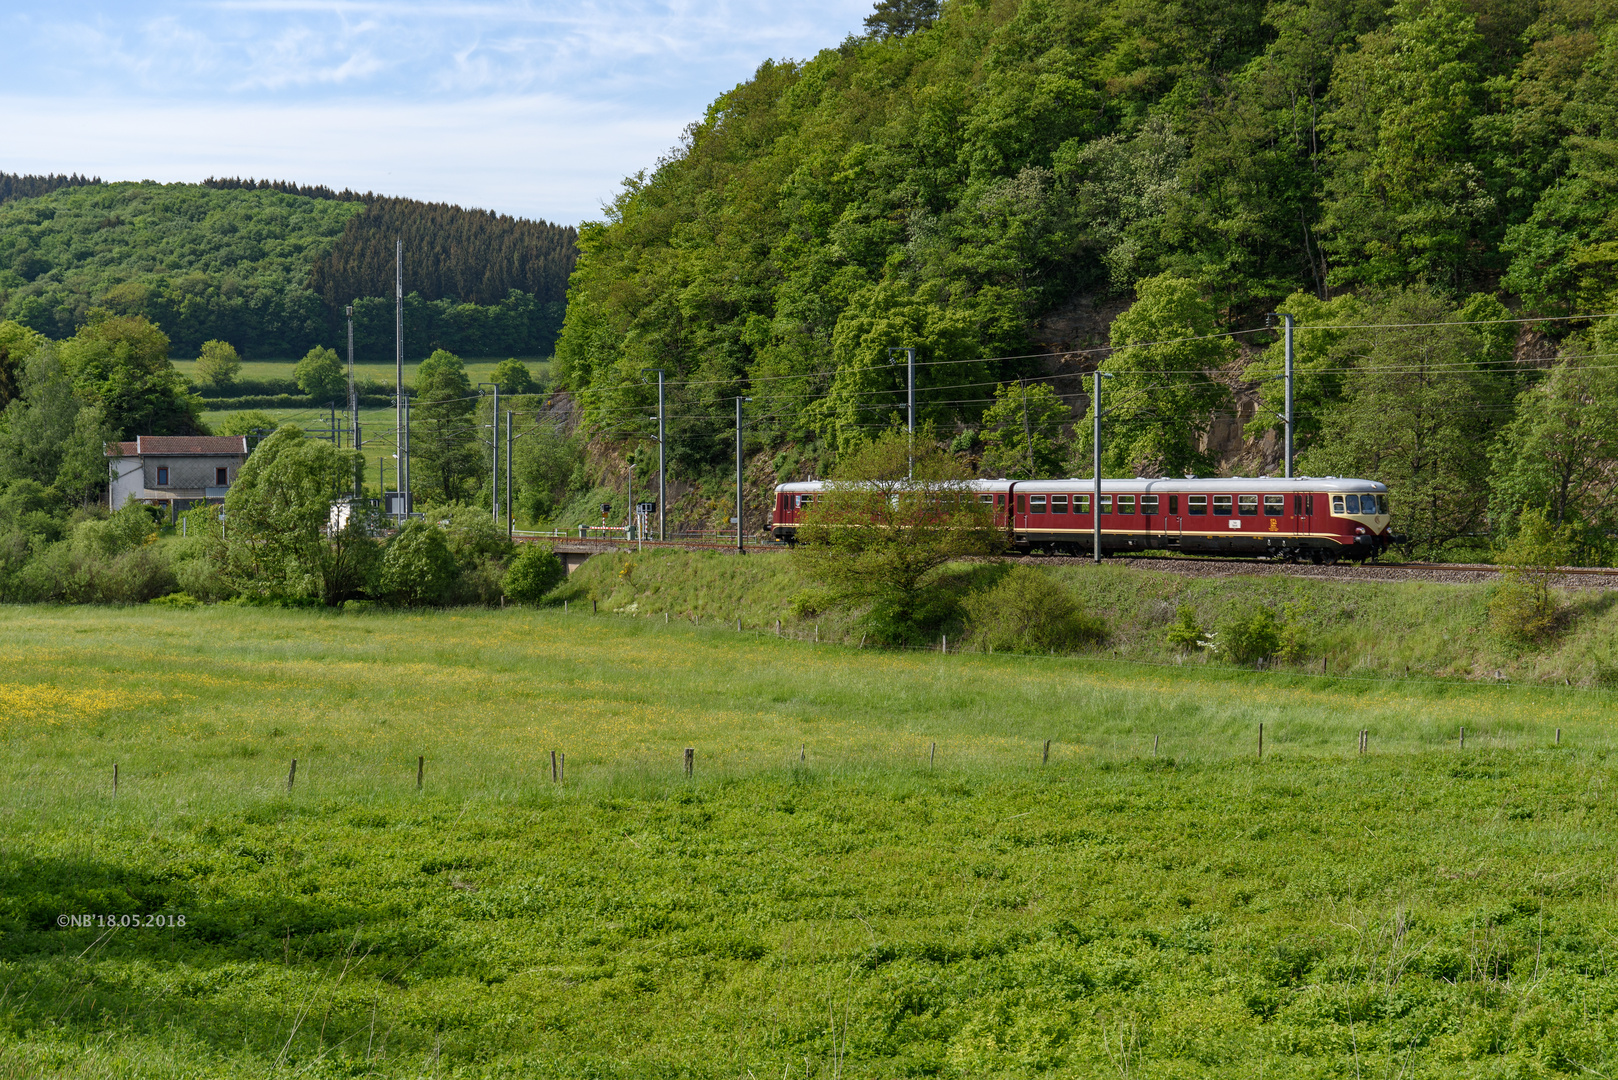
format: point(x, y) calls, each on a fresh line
point(1523, 608)
point(175, 600)
point(417, 567)
point(479, 549)
point(1296, 631)
point(1186, 634)
point(1248, 634)
point(534, 572)
point(358, 607)
point(1028, 611)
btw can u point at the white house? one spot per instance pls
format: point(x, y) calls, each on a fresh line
point(176, 471)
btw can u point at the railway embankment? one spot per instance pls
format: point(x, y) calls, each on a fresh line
point(1344, 621)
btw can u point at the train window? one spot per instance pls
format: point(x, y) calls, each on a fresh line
point(1081, 504)
point(1275, 505)
point(1106, 504)
point(1000, 499)
point(1058, 504)
point(1309, 505)
point(1196, 504)
point(1148, 504)
point(986, 499)
point(1038, 506)
point(1022, 504)
point(1297, 504)
point(1337, 504)
point(1222, 505)
point(1353, 502)
point(1382, 504)
point(1174, 504)
point(1126, 504)
point(1247, 505)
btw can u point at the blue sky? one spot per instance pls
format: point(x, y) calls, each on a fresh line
point(537, 109)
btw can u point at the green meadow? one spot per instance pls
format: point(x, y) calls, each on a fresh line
point(478, 368)
point(874, 871)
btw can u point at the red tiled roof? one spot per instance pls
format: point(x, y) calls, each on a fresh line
point(180, 445)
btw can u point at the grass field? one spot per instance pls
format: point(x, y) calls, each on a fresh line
point(376, 429)
point(819, 899)
point(478, 368)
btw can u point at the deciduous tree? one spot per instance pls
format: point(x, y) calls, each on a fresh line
point(878, 538)
point(217, 364)
point(277, 538)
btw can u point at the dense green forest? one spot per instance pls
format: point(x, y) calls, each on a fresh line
point(15, 186)
point(977, 183)
point(269, 266)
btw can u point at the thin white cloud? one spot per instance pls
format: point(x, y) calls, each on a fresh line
point(537, 108)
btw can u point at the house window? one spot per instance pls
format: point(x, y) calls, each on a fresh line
point(221, 476)
point(162, 475)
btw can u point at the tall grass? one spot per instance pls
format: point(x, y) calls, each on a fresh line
point(819, 899)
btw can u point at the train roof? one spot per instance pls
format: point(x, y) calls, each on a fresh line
point(1220, 484)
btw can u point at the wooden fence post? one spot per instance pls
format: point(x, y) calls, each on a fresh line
point(690, 760)
point(555, 776)
point(931, 754)
point(421, 767)
point(1261, 741)
point(1046, 760)
point(115, 777)
point(292, 773)
point(1154, 744)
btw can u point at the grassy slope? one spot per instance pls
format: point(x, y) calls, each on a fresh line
point(1358, 628)
point(1424, 911)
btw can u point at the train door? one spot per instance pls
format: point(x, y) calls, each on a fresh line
point(1173, 524)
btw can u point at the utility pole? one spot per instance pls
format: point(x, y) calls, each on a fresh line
point(740, 549)
point(399, 407)
point(494, 446)
point(405, 504)
point(910, 400)
point(1027, 436)
point(510, 521)
point(353, 402)
point(1095, 505)
point(662, 492)
point(1288, 322)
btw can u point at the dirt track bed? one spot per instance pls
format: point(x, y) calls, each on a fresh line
point(1456, 575)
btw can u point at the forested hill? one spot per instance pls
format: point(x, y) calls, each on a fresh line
point(268, 266)
point(976, 185)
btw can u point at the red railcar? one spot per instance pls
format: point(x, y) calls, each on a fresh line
point(1318, 518)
